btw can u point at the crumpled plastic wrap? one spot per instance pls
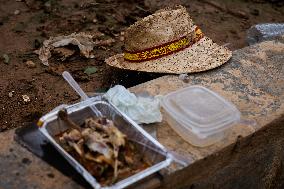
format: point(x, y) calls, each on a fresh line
point(263, 32)
point(82, 40)
point(138, 108)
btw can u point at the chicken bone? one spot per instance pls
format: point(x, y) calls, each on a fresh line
point(78, 147)
point(116, 137)
point(97, 143)
point(99, 159)
point(62, 114)
point(74, 135)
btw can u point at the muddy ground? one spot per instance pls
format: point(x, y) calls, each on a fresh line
point(25, 24)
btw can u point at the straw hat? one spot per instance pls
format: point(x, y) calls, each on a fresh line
point(168, 42)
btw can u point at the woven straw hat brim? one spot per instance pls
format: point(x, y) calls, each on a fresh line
point(201, 56)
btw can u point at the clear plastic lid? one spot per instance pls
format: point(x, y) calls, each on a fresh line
point(200, 110)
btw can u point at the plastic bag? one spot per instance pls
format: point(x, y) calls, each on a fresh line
point(138, 108)
point(263, 32)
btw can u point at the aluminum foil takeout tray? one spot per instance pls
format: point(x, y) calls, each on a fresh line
point(150, 148)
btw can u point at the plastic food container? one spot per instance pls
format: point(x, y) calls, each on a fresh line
point(147, 145)
point(199, 115)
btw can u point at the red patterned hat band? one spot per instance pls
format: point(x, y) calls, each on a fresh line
point(164, 49)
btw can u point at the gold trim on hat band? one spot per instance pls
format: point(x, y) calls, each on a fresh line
point(165, 49)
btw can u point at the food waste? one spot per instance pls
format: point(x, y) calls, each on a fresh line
point(101, 148)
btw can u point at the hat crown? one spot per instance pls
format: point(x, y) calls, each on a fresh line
point(162, 27)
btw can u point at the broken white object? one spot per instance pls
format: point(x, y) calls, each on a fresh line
point(83, 41)
point(26, 98)
point(140, 109)
point(11, 94)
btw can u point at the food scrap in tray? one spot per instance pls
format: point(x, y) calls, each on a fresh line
point(101, 148)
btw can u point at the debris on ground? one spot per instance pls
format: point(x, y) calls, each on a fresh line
point(16, 12)
point(30, 64)
point(26, 98)
point(11, 94)
point(140, 109)
point(6, 58)
point(63, 53)
point(82, 40)
point(106, 42)
point(90, 70)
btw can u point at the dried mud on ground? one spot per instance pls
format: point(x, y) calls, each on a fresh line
point(25, 24)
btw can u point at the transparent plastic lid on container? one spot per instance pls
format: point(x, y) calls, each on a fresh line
point(199, 111)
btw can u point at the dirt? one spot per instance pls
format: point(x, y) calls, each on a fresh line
point(25, 24)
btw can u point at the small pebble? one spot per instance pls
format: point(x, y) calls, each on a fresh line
point(26, 98)
point(16, 12)
point(6, 58)
point(11, 94)
point(26, 161)
point(30, 64)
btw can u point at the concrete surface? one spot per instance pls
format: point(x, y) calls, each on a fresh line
point(20, 169)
